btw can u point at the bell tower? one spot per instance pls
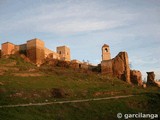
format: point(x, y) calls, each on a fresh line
point(106, 55)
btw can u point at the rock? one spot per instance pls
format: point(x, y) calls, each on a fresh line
point(1, 83)
point(136, 77)
point(58, 93)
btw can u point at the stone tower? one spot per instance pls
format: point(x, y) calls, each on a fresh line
point(35, 51)
point(106, 55)
point(64, 53)
point(8, 48)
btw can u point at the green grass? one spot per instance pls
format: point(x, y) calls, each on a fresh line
point(94, 110)
point(76, 87)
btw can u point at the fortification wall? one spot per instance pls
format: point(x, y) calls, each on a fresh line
point(21, 49)
point(35, 51)
point(47, 52)
point(118, 67)
point(136, 77)
point(106, 67)
point(50, 54)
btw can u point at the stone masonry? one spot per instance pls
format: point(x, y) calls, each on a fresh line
point(118, 67)
point(136, 77)
point(106, 52)
point(35, 50)
point(64, 53)
point(151, 78)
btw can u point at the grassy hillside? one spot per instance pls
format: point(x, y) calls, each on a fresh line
point(22, 82)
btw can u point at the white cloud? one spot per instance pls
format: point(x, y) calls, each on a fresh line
point(66, 17)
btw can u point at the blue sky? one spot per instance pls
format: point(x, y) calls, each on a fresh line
point(85, 25)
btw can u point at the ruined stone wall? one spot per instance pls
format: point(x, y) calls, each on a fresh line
point(118, 67)
point(21, 49)
point(121, 67)
point(136, 77)
point(35, 51)
point(64, 53)
point(106, 67)
point(151, 79)
point(75, 64)
point(47, 52)
point(50, 54)
point(16, 48)
point(8, 48)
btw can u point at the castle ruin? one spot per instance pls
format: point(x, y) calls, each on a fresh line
point(119, 67)
point(36, 51)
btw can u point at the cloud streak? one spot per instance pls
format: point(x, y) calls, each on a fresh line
point(66, 18)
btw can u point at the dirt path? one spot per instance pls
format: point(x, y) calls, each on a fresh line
point(63, 102)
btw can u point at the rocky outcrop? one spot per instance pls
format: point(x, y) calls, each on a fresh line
point(118, 67)
point(136, 77)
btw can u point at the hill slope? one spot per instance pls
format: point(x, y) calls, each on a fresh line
point(22, 82)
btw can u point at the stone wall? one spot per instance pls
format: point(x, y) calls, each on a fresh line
point(136, 77)
point(51, 54)
point(36, 52)
point(75, 64)
point(21, 49)
point(118, 67)
point(47, 52)
point(106, 67)
point(151, 79)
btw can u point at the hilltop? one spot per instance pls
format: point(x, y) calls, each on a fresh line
point(22, 82)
